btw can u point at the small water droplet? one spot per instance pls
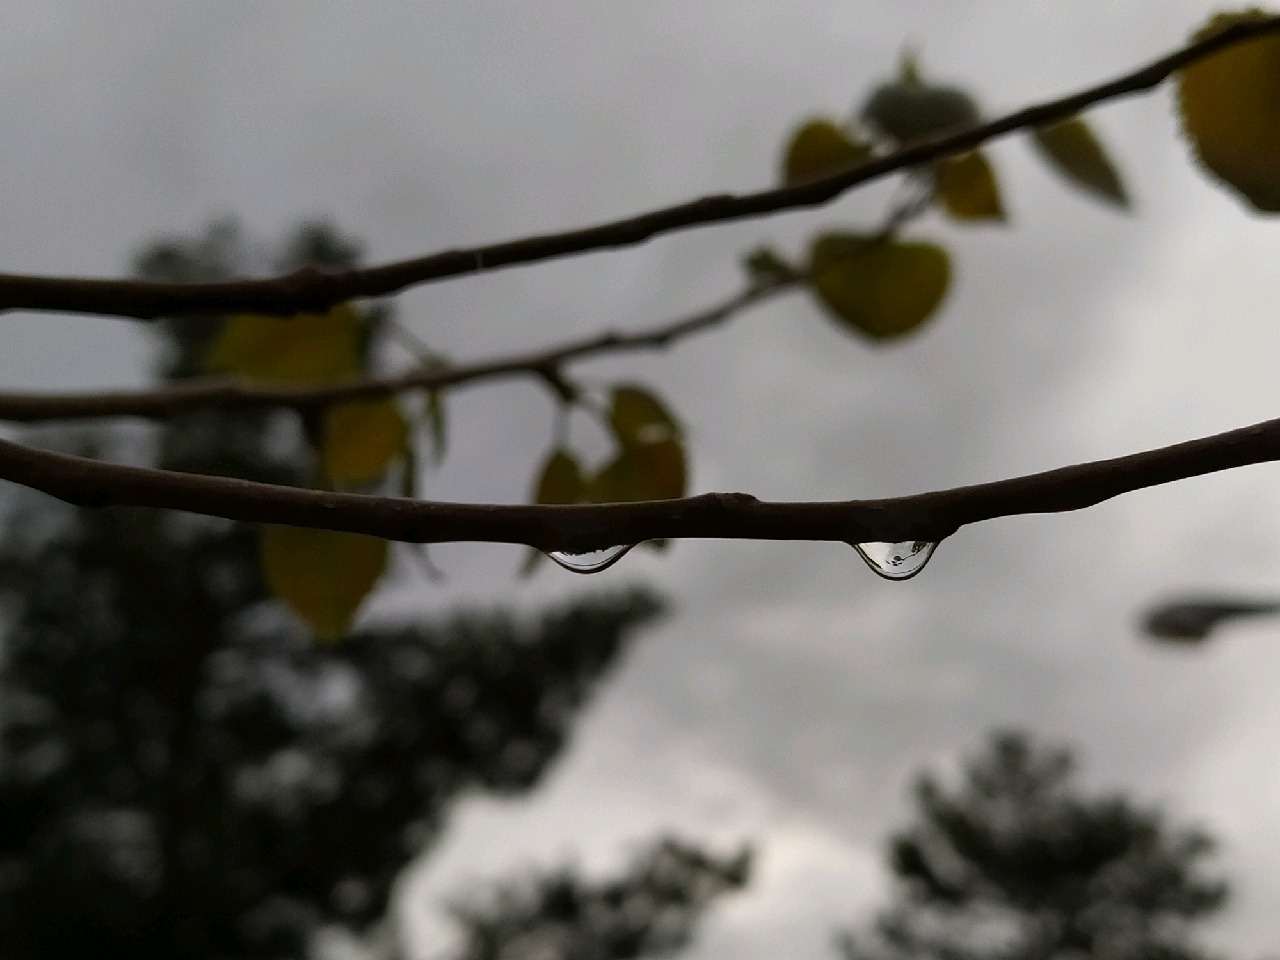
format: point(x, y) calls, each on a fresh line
point(593, 561)
point(897, 561)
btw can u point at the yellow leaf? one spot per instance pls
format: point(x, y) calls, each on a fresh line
point(667, 470)
point(322, 575)
point(967, 188)
point(360, 439)
point(881, 288)
point(560, 480)
point(638, 417)
point(409, 473)
point(433, 410)
point(650, 471)
point(309, 346)
point(1075, 152)
point(820, 148)
point(1230, 105)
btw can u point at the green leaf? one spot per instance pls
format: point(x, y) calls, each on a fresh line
point(968, 190)
point(1075, 152)
point(433, 409)
point(322, 575)
point(883, 289)
point(911, 108)
point(409, 473)
point(650, 464)
point(311, 346)
point(360, 439)
point(651, 471)
point(1230, 105)
point(560, 479)
point(638, 417)
point(820, 148)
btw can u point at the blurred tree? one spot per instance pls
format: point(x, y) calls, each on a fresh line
point(184, 773)
point(1016, 865)
point(650, 910)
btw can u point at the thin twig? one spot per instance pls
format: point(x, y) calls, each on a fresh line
point(169, 401)
point(584, 527)
point(312, 290)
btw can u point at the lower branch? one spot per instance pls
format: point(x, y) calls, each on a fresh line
point(584, 527)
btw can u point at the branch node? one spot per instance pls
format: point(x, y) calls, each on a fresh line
point(556, 382)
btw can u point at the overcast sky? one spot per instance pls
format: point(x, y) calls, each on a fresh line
point(792, 694)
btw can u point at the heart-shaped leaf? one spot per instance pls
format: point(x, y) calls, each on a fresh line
point(560, 480)
point(820, 148)
point(967, 188)
point(1231, 112)
point(638, 417)
point(311, 346)
point(881, 288)
point(360, 439)
point(651, 471)
point(322, 575)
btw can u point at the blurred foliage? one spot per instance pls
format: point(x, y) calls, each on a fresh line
point(967, 188)
point(648, 462)
point(649, 911)
point(1231, 112)
point(820, 148)
point(910, 108)
point(361, 439)
point(1072, 148)
point(324, 575)
point(870, 281)
point(881, 288)
point(183, 773)
point(307, 347)
point(1015, 864)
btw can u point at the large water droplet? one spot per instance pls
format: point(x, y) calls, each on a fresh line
point(593, 561)
point(897, 561)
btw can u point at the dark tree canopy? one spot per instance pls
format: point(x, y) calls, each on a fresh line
point(184, 773)
point(1015, 864)
point(650, 910)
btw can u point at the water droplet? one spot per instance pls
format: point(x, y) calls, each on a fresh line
point(593, 561)
point(897, 561)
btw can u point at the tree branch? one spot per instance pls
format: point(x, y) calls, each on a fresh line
point(579, 528)
point(311, 290)
point(170, 401)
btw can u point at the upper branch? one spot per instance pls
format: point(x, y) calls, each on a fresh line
point(579, 528)
point(311, 290)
